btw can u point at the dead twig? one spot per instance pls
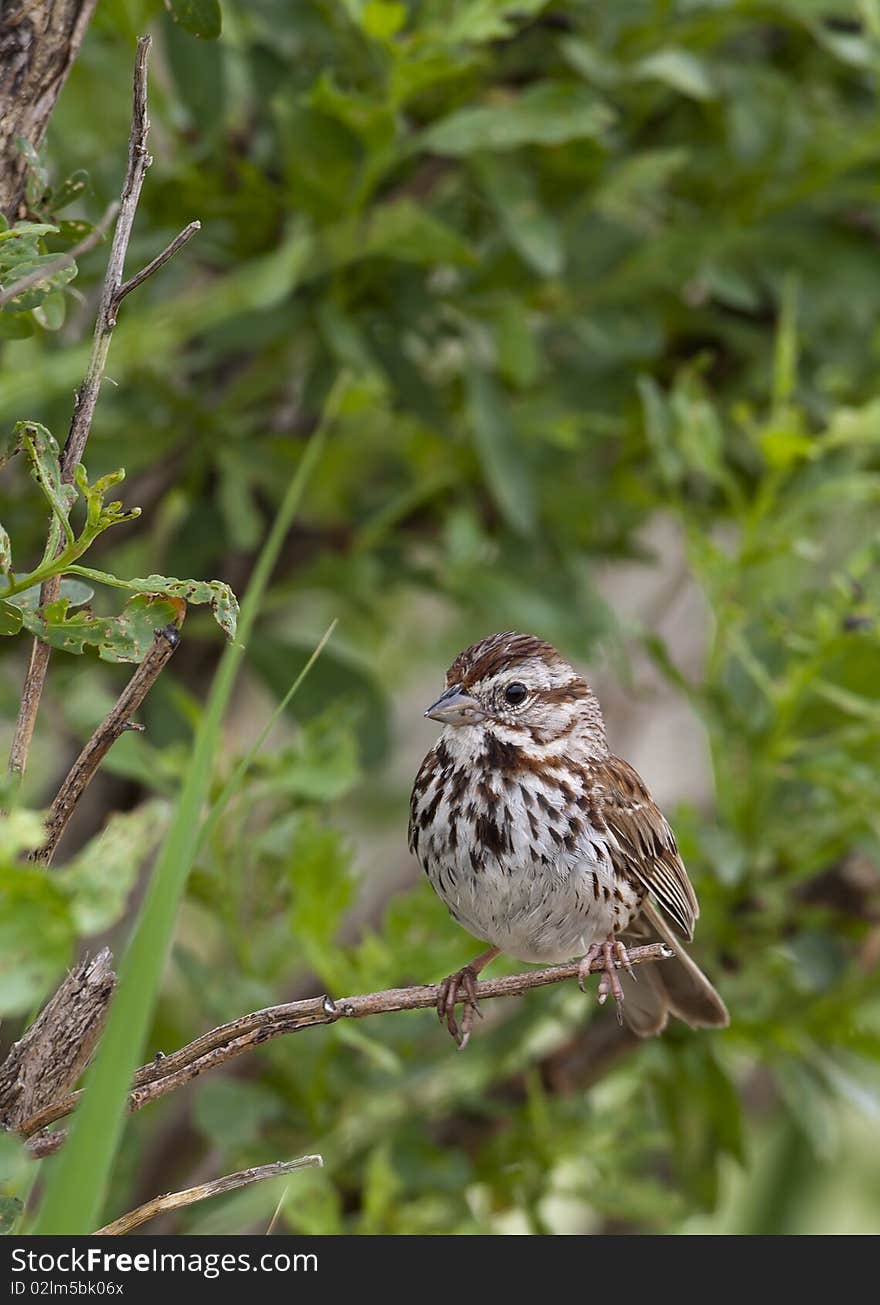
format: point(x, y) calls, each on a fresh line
point(182, 238)
point(112, 292)
point(49, 1058)
point(177, 1200)
point(117, 721)
point(166, 1074)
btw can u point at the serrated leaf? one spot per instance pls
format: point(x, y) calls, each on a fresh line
point(549, 113)
point(203, 18)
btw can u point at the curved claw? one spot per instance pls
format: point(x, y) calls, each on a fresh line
point(614, 955)
point(461, 986)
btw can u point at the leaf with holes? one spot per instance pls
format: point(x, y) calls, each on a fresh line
point(124, 638)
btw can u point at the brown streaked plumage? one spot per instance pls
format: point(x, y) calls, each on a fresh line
point(543, 843)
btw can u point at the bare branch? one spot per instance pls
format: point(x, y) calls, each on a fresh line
point(138, 162)
point(177, 1200)
point(159, 261)
point(117, 721)
point(55, 1050)
point(167, 1073)
point(87, 396)
point(95, 236)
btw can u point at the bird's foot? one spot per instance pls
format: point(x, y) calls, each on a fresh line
point(461, 986)
point(614, 955)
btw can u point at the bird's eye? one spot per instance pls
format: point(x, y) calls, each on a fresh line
point(516, 693)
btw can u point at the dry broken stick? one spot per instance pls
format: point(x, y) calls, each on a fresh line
point(218, 1187)
point(166, 1074)
point(113, 291)
point(112, 727)
point(51, 1056)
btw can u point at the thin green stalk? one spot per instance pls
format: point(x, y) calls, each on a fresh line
point(233, 784)
point(78, 1177)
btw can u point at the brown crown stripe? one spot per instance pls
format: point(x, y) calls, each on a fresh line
point(497, 653)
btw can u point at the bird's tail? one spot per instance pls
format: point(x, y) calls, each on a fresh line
point(674, 987)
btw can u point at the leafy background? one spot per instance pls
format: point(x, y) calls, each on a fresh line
point(604, 281)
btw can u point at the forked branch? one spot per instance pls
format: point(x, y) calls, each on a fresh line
point(113, 291)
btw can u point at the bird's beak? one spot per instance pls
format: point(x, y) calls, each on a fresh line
point(456, 708)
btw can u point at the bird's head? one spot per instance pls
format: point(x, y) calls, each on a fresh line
point(519, 687)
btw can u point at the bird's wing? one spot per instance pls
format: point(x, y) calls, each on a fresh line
point(641, 844)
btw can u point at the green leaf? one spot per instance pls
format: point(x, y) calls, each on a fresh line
point(202, 18)
point(10, 618)
point(36, 935)
point(10, 1208)
point(102, 875)
point(222, 601)
point(42, 453)
point(73, 187)
point(5, 552)
point(15, 325)
point(534, 234)
point(29, 229)
point(549, 113)
point(481, 21)
point(51, 312)
point(124, 638)
point(20, 831)
point(679, 69)
point(382, 19)
point(233, 1113)
point(507, 476)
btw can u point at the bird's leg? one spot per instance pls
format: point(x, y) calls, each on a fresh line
point(462, 986)
point(614, 955)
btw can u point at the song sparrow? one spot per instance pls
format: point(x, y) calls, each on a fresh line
point(544, 844)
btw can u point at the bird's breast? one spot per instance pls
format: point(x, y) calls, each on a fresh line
point(513, 850)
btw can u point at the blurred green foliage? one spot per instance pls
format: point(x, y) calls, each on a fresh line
point(586, 264)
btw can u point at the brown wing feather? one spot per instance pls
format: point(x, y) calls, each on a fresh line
point(644, 845)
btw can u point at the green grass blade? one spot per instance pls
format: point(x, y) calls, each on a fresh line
point(78, 1176)
point(234, 783)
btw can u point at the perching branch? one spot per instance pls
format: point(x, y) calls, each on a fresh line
point(218, 1187)
point(166, 1074)
point(112, 293)
point(114, 725)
